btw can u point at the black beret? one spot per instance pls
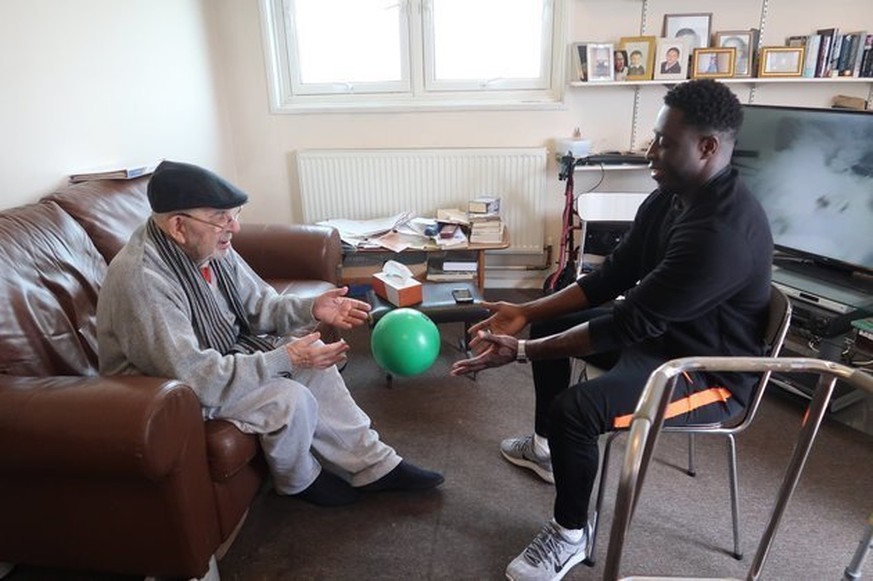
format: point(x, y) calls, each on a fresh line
point(181, 186)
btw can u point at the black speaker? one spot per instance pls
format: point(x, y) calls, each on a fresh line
point(602, 237)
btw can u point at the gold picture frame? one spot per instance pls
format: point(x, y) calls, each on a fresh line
point(781, 61)
point(746, 43)
point(713, 63)
point(641, 56)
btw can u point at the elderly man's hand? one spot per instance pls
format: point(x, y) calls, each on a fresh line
point(334, 308)
point(308, 353)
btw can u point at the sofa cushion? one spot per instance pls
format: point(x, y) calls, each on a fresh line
point(109, 210)
point(48, 293)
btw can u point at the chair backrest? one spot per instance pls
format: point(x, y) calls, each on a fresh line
point(778, 320)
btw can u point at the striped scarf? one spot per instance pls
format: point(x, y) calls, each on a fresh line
point(210, 327)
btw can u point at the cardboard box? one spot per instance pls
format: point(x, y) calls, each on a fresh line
point(400, 292)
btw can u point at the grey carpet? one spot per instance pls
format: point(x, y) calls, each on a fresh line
point(487, 510)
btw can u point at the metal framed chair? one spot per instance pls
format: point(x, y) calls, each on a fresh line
point(648, 422)
point(778, 319)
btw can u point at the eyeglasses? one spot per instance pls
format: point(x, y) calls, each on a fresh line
point(228, 217)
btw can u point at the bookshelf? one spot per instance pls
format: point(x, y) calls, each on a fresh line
point(769, 18)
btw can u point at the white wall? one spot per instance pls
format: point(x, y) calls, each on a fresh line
point(97, 83)
point(265, 143)
point(104, 82)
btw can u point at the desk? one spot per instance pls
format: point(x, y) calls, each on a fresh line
point(380, 255)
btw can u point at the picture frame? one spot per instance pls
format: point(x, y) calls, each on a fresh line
point(671, 59)
point(696, 27)
point(781, 61)
point(746, 43)
point(713, 63)
point(579, 61)
point(641, 56)
point(601, 62)
point(620, 63)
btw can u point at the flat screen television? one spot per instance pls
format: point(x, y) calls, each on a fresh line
point(812, 170)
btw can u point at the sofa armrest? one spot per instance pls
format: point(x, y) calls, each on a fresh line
point(95, 425)
point(291, 252)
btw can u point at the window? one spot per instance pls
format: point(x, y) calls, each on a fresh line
point(357, 55)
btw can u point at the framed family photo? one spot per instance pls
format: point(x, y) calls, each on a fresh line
point(640, 52)
point(713, 63)
point(781, 61)
point(695, 27)
point(671, 59)
point(746, 43)
point(601, 62)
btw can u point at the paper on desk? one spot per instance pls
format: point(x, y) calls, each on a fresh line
point(358, 232)
point(372, 227)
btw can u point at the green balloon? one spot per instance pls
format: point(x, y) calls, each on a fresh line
point(405, 342)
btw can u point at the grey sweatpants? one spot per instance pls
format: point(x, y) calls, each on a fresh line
point(308, 422)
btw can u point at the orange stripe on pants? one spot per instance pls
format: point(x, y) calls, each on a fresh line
point(684, 405)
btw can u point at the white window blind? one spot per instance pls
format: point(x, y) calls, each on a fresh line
point(413, 54)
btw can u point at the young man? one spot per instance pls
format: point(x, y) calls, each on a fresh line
point(179, 302)
point(695, 273)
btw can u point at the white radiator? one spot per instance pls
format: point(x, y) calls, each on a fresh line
point(372, 183)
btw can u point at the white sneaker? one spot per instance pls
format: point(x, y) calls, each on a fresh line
point(549, 556)
point(521, 452)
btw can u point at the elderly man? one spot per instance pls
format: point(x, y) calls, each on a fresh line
point(178, 301)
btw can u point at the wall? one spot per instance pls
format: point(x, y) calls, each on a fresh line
point(97, 83)
point(102, 82)
point(265, 143)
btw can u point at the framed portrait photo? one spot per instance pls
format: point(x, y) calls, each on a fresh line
point(746, 43)
point(640, 56)
point(781, 61)
point(579, 61)
point(695, 27)
point(713, 63)
point(671, 59)
point(601, 62)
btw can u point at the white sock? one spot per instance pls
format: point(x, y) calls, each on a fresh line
point(541, 446)
point(572, 535)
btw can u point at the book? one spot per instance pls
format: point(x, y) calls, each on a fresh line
point(121, 173)
point(867, 58)
point(822, 68)
point(859, 53)
point(484, 205)
point(850, 52)
point(836, 51)
point(490, 236)
point(810, 55)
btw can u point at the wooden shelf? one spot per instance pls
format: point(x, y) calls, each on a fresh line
point(617, 167)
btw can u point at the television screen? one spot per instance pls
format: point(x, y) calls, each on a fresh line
point(812, 170)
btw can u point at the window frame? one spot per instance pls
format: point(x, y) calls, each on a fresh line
point(276, 23)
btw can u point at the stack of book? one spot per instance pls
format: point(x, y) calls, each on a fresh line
point(830, 53)
point(486, 225)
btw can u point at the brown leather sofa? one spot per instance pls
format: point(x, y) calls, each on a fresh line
point(116, 474)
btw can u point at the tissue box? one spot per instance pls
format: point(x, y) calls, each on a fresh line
point(400, 292)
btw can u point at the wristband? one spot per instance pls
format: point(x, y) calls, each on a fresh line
point(520, 355)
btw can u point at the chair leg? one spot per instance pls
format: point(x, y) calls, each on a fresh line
point(734, 485)
point(594, 519)
point(692, 471)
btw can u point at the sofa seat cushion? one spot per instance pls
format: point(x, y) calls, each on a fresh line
point(48, 293)
point(228, 449)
